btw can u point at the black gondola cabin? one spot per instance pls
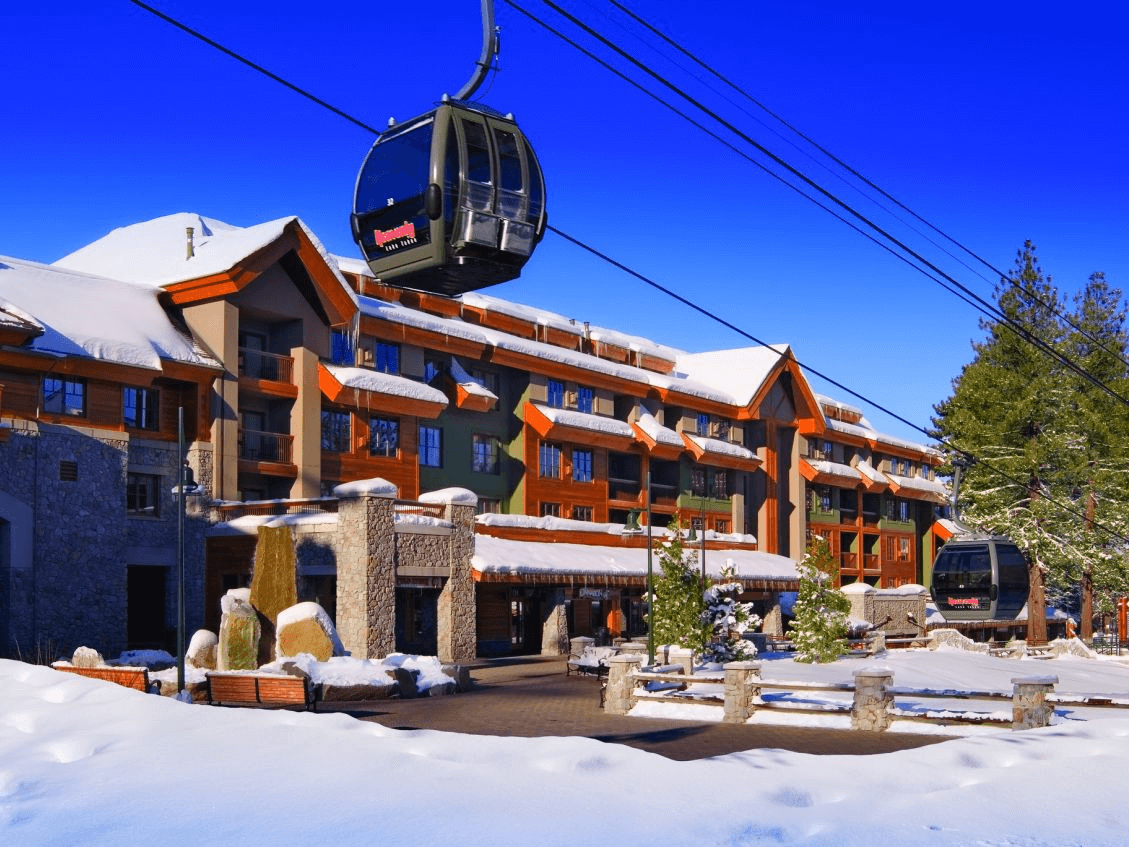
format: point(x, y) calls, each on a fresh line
point(449, 202)
point(979, 578)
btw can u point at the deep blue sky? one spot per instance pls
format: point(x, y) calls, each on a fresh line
point(997, 122)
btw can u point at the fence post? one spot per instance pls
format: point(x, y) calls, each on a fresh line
point(871, 709)
point(1029, 707)
point(620, 695)
point(741, 690)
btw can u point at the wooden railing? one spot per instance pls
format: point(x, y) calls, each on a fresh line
point(414, 507)
point(229, 511)
point(258, 446)
point(258, 364)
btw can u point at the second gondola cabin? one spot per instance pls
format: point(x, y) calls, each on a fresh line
point(979, 577)
point(449, 202)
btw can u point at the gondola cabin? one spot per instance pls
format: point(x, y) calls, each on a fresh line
point(449, 202)
point(979, 578)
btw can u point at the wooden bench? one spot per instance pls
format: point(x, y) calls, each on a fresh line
point(265, 690)
point(135, 678)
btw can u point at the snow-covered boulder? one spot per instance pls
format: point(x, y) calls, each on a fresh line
point(306, 628)
point(240, 631)
point(202, 650)
point(87, 657)
point(953, 640)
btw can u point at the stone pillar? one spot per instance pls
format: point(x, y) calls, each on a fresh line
point(366, 568)
point(1029, 707)
point(554, 634)
point(774, 620)
point(741, 690)
point(457, 624)
point(873, 700)
point(620, 695)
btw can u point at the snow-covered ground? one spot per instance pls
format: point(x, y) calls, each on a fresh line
point(85, 762)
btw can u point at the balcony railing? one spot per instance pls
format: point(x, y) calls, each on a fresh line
point(414, 507)
point(258, 364)
point(229, 510)
point(266, 446)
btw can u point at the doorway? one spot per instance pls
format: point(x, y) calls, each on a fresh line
point(145, 607)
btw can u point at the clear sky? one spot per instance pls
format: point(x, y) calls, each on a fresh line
point(997, 122)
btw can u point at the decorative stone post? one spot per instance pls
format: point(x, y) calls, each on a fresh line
point(871, 709)
point(366, 570)
point(620, 695)
point(741, 690)
point(1029, 707)
point(457, 626)
point(554, 634)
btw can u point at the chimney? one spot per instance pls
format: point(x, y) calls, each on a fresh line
point(191, 248)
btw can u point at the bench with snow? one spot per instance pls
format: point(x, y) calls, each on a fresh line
point(592, 661)
point(262, 690)
point(135, 678)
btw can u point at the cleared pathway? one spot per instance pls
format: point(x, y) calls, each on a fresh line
point(531, 696)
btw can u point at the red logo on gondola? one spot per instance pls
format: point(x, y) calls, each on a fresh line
point(973, 602)
point(406, 233)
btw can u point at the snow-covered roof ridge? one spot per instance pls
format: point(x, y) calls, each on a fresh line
point(739, 372)
point(83, 314)
point(367, 379)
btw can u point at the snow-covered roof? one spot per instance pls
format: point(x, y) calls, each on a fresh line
point(739, 372)
point(452, 327)
point(833, 468)
point(661, 434)
point(824, 400)
point(469, 383)
point(366, 379)
point(506, 556)
point(155, 252)
point(721, 448)
point(917, 483)
point(93, 316)
point(868, 470)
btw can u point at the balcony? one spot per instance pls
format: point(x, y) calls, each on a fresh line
point(267, 373)
point(625, 490)
point(276, 447)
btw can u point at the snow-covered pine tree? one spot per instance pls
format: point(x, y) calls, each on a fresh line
point(676, 613)
point(819, 625)
point(727, 620)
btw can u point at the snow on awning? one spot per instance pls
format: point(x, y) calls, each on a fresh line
point(873, 479)
point(470, 393)
point(362, 388)
point(723, 454)
point(917, 488)
point(659, 441)
point(829, 473)
point(568, 425)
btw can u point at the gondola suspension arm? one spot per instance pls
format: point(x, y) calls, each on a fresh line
point(489, 50)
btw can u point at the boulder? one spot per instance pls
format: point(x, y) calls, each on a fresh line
point(238, 645)
point(954, 639)
point(333, 693)
point(461, 675)
point(306, 628)
point(87, 657)
point(406, 682)
point(201, 651)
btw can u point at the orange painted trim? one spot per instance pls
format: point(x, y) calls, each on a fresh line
point(282, 469)
point(546, 428)
point(268, 387)
point(472, 402)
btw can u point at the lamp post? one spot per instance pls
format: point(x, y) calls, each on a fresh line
point(650, 582)
point(702, 552)
point(180, 463)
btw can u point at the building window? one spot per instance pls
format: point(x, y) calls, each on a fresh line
point(433, 366)
point(556, 393)
point(486, 451)
point(703, 423)
point(924, 470)
point(64, 396)
point(821, 498)
point(550, 461)
point(697, 524)
point(903, 549)
point(488, 380)
point(489, 506)
point(903, 511)
point(384, 437)
point(334, 431)
point(341, 348)
point(142, 494)
point(387, 358)
point(584, 400)
point(720, 485)
point(139, 407)
point(430, 446)
point(721, 525)
point(550, 510)
point(581, 465)
point(698, 482)
point(582, 513)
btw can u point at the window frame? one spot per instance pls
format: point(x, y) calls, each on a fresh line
point(486, 454)
point(585, 399)
point(147, 408)
point(555, 394)
point(373, 430)
point(386, 357)
point(140, 488)
point(549, 460)
point(582, 461)
point(430, 449)
point(336, 438)
point(68, 388)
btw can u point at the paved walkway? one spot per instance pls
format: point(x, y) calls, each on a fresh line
point(531, 696)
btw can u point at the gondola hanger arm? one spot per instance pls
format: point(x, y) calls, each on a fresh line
point(489, 49)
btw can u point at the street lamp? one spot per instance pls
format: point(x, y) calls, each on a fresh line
point(632, 528)
point(185, 486)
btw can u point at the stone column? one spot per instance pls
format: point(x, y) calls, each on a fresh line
point(774, 620)
point(457, 624)
point(554, 634)
point(873, 700)
point(620, 695)
point(366, 568)
point(741, 690)
point(1029, 707)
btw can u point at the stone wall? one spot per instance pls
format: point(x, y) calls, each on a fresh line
point(902, 606)
point(68, 541)
point(366, 576)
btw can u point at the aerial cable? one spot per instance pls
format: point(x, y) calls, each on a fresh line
point(1024, 333)
point(643, 278)
point(1027, 293)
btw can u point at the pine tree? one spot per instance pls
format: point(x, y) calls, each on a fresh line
point(819, 626)
point(676, 613)
point(727, 619)
point(1046, 435)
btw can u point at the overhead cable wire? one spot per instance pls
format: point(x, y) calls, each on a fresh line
point(1027, 292)
point(669, 292)
point(1024, 333)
